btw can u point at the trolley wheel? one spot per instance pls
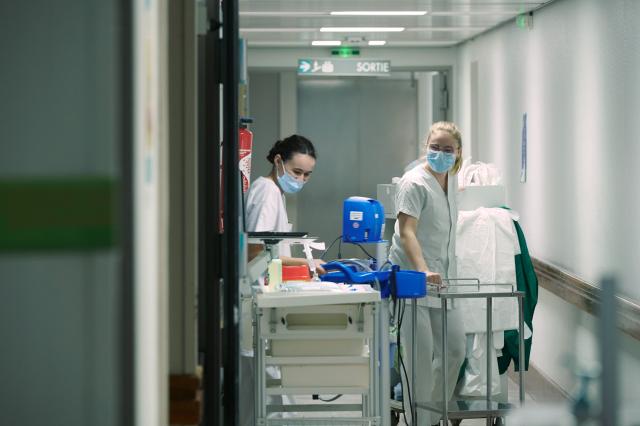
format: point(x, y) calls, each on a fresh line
point(456, 422)
point(395, 418)
point(499, 421)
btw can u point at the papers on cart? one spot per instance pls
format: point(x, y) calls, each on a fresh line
point(309, 293)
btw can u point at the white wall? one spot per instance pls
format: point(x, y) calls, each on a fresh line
point(151, 188)
point(60, 356)
point(576, 76)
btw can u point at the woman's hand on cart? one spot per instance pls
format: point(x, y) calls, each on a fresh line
point(319, 268)
point(434, 278)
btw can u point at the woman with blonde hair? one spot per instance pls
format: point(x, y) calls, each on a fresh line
point(424, 240)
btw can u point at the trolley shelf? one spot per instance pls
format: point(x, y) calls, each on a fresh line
point(313, 408)
point(316, 390)
point(469, 408)
point(316, 360)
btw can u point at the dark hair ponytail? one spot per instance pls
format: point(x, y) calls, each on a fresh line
point(294, 144)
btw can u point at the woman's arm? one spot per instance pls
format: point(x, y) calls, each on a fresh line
point(408, 226)
point(255, 249)
point(298, 261)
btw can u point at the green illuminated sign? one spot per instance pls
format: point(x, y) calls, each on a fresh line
point(524, 21)
point(345, 52)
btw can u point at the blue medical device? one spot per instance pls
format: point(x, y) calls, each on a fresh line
point(400, 284)
point(362, 220)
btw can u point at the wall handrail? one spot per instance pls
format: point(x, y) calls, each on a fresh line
point(586, 296)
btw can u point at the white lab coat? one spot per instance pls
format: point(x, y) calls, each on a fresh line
point(418, 194)
point(487, 246)
point(266, 210)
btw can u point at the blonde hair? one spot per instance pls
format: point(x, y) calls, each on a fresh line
point(452, 129)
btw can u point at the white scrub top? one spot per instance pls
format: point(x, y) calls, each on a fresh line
point(266, 210)
point(418, 194)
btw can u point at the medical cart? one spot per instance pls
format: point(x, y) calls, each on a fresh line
point(469, 408)
point(324, 343)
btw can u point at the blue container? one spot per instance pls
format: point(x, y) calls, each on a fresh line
point(410, 284)
point(362, 220)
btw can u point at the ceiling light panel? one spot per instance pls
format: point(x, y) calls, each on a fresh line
point(380, 13)
point(326, 43)
point(361, 29)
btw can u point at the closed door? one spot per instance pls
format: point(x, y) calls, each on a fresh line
point(365, 132)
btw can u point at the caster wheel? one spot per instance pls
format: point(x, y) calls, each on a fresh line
point(395, 418)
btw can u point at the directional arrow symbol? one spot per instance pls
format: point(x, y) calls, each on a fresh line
point(304, 66)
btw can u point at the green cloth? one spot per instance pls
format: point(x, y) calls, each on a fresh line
point(528, 282)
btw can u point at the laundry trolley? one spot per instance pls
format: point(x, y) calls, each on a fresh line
point(322, 342)
point(462, 408)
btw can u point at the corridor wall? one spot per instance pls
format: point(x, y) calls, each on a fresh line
point(574, 74)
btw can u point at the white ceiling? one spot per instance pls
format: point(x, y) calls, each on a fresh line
point(447, 22)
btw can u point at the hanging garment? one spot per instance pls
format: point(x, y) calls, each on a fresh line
point(487, 244)
point(527, 282)
point(485, 249)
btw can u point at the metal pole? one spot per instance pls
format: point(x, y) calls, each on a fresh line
point(489, 345)
point(414, 355)
point(609, 352)
point(384, 363)
point(445, 398)
point(521, 358)
point(383, 324)
point(368, 397)
point(209, 242)
point(257, 350)
point(231, 235)
point(373, 352)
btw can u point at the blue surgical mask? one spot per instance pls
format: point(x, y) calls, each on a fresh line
point(289, 183)
point(440, 162)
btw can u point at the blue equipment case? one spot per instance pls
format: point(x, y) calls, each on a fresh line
point(362, 220)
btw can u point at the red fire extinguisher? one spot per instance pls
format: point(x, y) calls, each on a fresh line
point(245, 142)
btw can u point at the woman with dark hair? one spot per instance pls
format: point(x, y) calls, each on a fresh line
point(293, 159)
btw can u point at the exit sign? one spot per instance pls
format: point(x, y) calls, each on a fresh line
point(345, 52)
point(344, 67)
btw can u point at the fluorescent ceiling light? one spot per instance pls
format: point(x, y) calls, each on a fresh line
point(361, 29)
point(445, 29)
point(280, 14)
point(380, 13)
point(475, 13)
point(326, 43)
point(277, 43)
point(377, 42)
point(278, 30)
point(299, 43)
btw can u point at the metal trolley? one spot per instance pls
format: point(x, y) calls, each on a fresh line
point(469, 408)
point(314, 339)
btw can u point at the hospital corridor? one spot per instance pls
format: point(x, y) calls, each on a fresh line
point(319, 213)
